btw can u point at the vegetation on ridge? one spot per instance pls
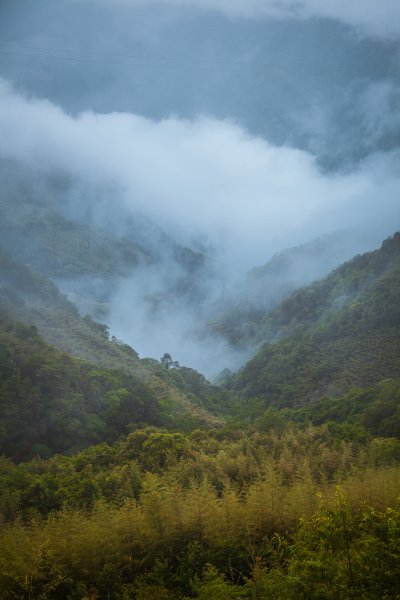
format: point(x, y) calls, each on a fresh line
point(336, 334)
point(27, 296)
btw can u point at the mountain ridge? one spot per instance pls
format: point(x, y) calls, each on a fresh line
point(31, 298)
point(340, 332)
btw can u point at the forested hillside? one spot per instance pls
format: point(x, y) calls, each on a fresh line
point(64, 248)
point(87, 262)
point(136, 479)
point(264, 511)
point(51, 402)
point(341, 332)
point(31, 298)
point(238, 316)
point(47, 237)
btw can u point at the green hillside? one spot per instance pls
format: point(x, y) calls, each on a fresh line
point(286, 503)
point(51, 402)
point(238, 317)
point(243, 512)
point(31, 298)
point(341, 332)
point(87, 262)
point(361, 413)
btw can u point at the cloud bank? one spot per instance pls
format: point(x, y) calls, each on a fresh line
point(201, 178)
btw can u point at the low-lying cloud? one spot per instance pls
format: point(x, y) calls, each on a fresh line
point(195, 178)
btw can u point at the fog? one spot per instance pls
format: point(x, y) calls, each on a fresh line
point(198, 178)
point(236, 129)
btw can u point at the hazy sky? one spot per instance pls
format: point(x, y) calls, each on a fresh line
point(327, 85)
point(369, 16)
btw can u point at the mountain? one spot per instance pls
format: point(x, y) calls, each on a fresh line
point(51, 402)
point(65, 248)
point(375, 408)
point(337, 333)
point(86, 261)
point(167, 506)
point(238, 315)
point(29, 297)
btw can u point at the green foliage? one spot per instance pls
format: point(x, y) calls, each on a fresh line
point(342, 554)
point(200, 391)
point(50, 402)
point(28, 297)
point(326, 346)
point(299, 502)
point(143, 518)
point(354, 417)
point(214, 586)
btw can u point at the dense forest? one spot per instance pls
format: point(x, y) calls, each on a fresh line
point(339, 332)
point(127, 478)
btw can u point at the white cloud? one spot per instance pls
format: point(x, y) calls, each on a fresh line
point(202, 177)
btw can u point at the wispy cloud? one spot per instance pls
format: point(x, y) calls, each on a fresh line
point(200, 178)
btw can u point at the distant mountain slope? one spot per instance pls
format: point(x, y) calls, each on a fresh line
point(340, 332)
point(73, 232)
point(87, 262)
point(64, 248)
point(31, 298)
point(67, 231)
point(239, 314)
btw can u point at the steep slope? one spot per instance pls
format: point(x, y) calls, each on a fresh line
point(31, 298)
point(377, 409)
point(340, 332)
point(64, 248)
point(239, 314)
point(67, 229)
point(51, 402)
point(87, 262)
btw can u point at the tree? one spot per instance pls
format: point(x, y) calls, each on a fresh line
point(168, 363)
